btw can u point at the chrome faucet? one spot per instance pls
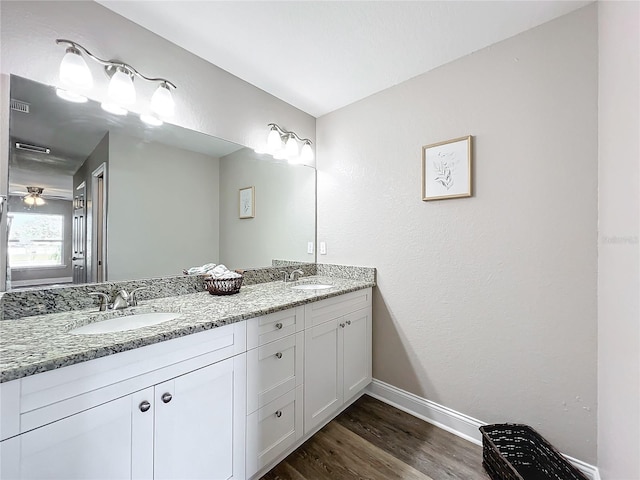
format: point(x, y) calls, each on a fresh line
point(291, 277)
point(121, 300)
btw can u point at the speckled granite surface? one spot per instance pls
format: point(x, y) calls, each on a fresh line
point(37, 301)
point(253, 276)
point(39, 343)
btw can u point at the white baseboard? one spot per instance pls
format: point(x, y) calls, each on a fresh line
point(447, 419)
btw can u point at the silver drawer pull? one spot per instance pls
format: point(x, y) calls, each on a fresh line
point(278, 414)
point(166, 398)
point(279, 326)
point(144, 406)
point(279, 355)
point(348, 322)
point(342, 325)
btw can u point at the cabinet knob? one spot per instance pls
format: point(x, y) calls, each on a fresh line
point(166, 398)
point(278, 414)
point(144, 406)
point(342, 325)
point(279, 326)
point(279, 355)
point(348, 322)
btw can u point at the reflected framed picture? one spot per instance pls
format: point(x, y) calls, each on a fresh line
point(247, 202)
point(446, 169)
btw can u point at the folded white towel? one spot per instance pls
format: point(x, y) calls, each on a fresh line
point(222, 272)
point(201, 270)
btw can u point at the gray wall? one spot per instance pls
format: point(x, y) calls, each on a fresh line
point(52, 206)
point(158, 228)
point(618, 251)
point(486, 305)
point(281, 227)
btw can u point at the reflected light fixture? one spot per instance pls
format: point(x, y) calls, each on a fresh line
point(75, 77)
point(34, 197)
point(284, 145)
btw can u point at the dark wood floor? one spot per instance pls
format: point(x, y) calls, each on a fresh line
point(372, 440)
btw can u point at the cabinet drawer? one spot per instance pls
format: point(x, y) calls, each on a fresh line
point(272, 429)
point(334, 307)
point(273, 370)
point(268, 328)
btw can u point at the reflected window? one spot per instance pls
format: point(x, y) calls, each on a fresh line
point(36, 240)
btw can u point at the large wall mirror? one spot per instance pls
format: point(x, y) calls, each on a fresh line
point(97, 197)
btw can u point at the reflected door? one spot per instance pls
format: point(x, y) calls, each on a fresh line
point(79, 235)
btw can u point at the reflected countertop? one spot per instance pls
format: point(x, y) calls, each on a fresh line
point(36, 344)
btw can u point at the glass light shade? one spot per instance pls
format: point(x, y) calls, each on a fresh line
point(151, 120)
point(274, 142)
point(121, 89)
point(34, 200)
point(71, 96)
point(306, 155)
point(162, 102)
point(291, 148)
point(74, 72)
point(113, 108)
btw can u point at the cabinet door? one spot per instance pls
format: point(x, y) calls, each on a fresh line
point(200, 423)
point(323, 373)
point(94, 444)
point(357, 351)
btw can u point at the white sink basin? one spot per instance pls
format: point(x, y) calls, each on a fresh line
point(126, 322)
point(311, 286)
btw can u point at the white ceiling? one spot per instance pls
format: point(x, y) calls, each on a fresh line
point(322, 55)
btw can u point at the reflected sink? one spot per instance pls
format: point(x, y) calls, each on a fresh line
point(311, 286)
point(126, 322)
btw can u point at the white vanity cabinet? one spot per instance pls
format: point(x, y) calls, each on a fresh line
point(337, 354)
point(274, 385)
point(172, 410)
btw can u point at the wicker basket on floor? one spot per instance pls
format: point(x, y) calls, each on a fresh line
point(517, 452)
point(223, 286)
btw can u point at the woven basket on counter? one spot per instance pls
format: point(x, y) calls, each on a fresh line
point(517, 452)
point(223, 286)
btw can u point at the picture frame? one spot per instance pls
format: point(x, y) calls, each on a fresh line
point(446, 169)
point(246, 202)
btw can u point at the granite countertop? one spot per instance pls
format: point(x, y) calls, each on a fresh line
point(36, 344)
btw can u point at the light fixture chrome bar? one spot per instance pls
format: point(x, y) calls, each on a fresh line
point(286, 133)
point(114, 63)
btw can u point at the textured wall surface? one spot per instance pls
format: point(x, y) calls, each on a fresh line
point(486, 305)
point(618, 251)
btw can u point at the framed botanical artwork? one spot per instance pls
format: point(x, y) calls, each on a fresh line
point(247, 202)
point(446, 169)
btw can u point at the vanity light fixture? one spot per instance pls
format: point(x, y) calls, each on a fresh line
point(75, 78)
point(284, 145)
point(34, 197)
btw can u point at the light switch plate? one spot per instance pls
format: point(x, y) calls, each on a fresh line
point(309, 247)
point(323, 248)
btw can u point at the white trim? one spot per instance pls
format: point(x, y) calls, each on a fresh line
point(447, 419)
point(40, 281)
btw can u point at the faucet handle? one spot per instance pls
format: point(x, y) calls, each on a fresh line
point(104, 300)
point(292, 277)
point(133, 298)
point(285, 275)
